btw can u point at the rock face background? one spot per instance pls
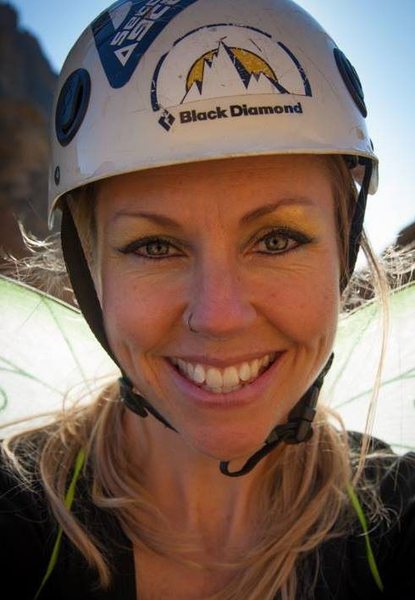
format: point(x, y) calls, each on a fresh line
point(27, 84)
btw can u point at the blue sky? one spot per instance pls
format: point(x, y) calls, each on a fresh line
point(376, 35)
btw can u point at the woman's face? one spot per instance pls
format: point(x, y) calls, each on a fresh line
point(245, 248)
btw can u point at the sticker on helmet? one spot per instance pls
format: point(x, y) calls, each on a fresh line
point(225, 60)
point(121, 42)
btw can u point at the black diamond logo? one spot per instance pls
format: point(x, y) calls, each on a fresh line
point(166, 120)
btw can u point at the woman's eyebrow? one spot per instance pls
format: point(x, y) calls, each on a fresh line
point(272, 207)
point(149, 216)
point(248, 218)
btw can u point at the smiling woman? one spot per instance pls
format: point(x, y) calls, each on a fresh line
point(231, 248)
point(209, 257)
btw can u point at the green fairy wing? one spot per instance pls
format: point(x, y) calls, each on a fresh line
point(48, 354)
point(350, 383)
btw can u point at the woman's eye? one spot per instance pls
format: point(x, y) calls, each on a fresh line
point(281, 240)
point(156, 248)
point(152, 248)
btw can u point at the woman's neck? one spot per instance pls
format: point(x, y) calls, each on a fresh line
point(188, 488)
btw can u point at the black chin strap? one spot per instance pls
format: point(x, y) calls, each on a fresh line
point(86, 295)
point(297, 429)
point(138, 404)
point(356, 226)
point(81, 280)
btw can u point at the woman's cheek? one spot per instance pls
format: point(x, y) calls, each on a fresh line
point(139, 310)
point(303, 306)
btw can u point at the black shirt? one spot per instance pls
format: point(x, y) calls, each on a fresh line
point(28, 533)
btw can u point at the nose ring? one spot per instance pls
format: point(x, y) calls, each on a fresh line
point(189, 323)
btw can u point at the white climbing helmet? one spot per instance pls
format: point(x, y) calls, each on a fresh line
point(159, 82)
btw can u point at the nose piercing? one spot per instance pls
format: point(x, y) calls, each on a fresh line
point(189, 324)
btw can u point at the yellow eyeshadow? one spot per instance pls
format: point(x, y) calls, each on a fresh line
point(296, 217)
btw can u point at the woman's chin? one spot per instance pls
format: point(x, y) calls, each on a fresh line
point(228, 448)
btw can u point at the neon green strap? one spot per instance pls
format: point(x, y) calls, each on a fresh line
point(369, 552)
point(69, 497)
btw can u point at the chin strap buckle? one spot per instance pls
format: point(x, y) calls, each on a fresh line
point(297, 429)
point(302, 416)
point(133, 401)
point(137, 403)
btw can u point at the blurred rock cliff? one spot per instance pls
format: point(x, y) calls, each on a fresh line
point(27, 84)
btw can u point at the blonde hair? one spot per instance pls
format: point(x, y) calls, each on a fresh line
point(300, 508)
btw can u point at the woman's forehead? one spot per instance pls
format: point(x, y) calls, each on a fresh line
point(285, 172)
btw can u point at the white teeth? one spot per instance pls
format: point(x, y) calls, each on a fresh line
point(231, 377)
point(214, 378)
point(190, 369)
point(198, 374)
point(222, 381)
point(183, 366)
point(255, 367)
point(245, 372)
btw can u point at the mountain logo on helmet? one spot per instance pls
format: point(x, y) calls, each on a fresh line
point(224, 60)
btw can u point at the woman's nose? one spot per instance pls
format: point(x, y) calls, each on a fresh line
point(220, 304)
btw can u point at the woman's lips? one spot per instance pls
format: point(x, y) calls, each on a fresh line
point(235, 384)
point(227, 379)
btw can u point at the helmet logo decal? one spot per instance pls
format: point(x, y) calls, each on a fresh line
point(224, 60)
point(122, 43)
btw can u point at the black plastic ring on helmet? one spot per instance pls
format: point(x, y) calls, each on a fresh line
point(72, 105)
point(351, 80)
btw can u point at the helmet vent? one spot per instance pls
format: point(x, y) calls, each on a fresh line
point(351, 80)
point(72, 105)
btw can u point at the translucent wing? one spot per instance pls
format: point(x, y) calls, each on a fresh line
point(47, 352)
point(350, 383)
